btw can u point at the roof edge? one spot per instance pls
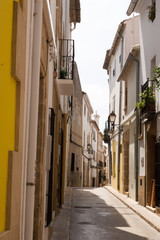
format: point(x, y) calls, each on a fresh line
point(131, 7)
point(114, 44)
point(133, 53)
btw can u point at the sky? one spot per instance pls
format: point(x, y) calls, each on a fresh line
point(93, 36)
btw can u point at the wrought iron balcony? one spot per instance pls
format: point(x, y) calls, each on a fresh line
point(66, 59)
point(66, 73)
point(106, 136)
point(148, 96)
point(107, 131)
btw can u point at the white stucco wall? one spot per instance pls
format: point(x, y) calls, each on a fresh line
point(132, 173)
point(86, 126)
point(149, 42)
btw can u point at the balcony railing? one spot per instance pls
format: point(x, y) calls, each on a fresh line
point(107, 131)
point(148, 94)
point(66, 59)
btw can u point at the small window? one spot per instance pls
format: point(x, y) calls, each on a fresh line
point(94, 135)
point(77, 167)
point(72, 162)
point(114, 70)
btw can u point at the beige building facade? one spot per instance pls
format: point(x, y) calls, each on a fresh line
point(74, 172)
point(37, 168)
point(122, 144)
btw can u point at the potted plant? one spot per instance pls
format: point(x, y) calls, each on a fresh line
point(106, 136)
point(147, 99)
point(156, 76)
point(63, 73)
point(151, 11)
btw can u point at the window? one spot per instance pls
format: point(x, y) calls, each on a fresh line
point(94, 135)
point(77, 158)
point(72, 162)
point(114, 69)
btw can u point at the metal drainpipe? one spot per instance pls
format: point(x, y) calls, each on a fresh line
point(137, 122)
point(32, 142)
point(119, 122)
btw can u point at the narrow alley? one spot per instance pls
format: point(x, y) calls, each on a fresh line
point(79, 120)
point(94, 213)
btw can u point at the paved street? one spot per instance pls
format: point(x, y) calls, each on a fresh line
point(97, 214)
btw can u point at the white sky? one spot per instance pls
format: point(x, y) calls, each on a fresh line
point(93, 36)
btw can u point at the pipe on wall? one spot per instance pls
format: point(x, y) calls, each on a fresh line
point(137, 122)
point(119, 121)
point(29, 45)
point(33, 121)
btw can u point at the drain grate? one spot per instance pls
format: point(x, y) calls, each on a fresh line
point(86, 223)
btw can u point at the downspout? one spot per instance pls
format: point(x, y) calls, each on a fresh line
point(34, 99)
point(137, 122)
point(64, 171)
point(119, 121)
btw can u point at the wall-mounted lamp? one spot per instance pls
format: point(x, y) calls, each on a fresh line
point(89, 150)
point(112, 119)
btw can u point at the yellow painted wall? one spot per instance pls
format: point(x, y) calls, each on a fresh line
point(7, 101)
point(114, 165)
